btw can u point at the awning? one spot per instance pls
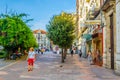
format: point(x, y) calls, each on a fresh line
point(87, 36)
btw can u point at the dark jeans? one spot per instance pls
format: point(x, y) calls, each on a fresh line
point(41, 52)
point(80, 55)
point(18, 55)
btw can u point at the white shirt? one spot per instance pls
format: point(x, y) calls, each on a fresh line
point(31, 54)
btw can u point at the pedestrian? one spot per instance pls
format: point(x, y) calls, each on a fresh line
point(80, 53)
point(94, 56)
point(72, 52)
point(25, 52)
point(17, 54)
point(42, 50)
point(90, 59)
point(98, 56)
point(31, 58)
point(38, 50)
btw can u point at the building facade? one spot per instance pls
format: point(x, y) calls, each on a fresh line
point(108, 9)
point(41, 38)
point(88, 25)
point(98, 22)
point(117, 37)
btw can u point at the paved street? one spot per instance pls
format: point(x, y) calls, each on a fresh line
point(49, 67)
point(4, 63)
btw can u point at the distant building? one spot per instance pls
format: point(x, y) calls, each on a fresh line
point(42, 39)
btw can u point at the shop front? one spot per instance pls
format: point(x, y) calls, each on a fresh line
point(87, 43)
point(97, 44)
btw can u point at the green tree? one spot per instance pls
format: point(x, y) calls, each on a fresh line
point(61, 31)
point(15, 33)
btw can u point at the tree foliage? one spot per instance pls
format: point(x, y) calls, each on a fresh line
point(15, 33)
point(61, 29)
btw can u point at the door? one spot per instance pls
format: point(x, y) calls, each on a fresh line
point(112, 40)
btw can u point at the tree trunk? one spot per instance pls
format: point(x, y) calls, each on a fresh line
point(62, 56)
point(65, 53)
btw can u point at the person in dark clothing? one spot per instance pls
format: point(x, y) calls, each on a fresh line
point(80, 53)
point(17, 54)
point(72, 52)
point(38, 50)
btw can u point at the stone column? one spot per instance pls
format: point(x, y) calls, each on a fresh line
point(104, 48)
point(117, 36)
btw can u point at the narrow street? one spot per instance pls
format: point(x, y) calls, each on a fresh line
point(49, 67)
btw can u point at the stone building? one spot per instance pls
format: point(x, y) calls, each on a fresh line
point(108, 10)
point(99, 28)
point(42, 39)
point(117, 37)
point(89, 26)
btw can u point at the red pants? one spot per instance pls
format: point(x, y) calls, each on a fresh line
point(30, 61)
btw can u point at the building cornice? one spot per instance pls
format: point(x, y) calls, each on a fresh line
point(108, 4)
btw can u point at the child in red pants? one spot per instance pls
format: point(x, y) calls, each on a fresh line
point(31, 59)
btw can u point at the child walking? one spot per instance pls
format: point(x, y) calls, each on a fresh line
point(31, 58)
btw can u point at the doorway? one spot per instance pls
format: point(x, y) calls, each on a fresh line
point(112, 40)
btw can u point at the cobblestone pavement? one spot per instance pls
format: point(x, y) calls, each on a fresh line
point(49, 67)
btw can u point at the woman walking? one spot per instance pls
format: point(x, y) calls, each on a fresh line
point(31, 58)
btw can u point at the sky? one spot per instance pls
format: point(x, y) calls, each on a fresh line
point(39, 10)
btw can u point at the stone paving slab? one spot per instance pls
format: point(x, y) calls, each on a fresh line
point(49, 67)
